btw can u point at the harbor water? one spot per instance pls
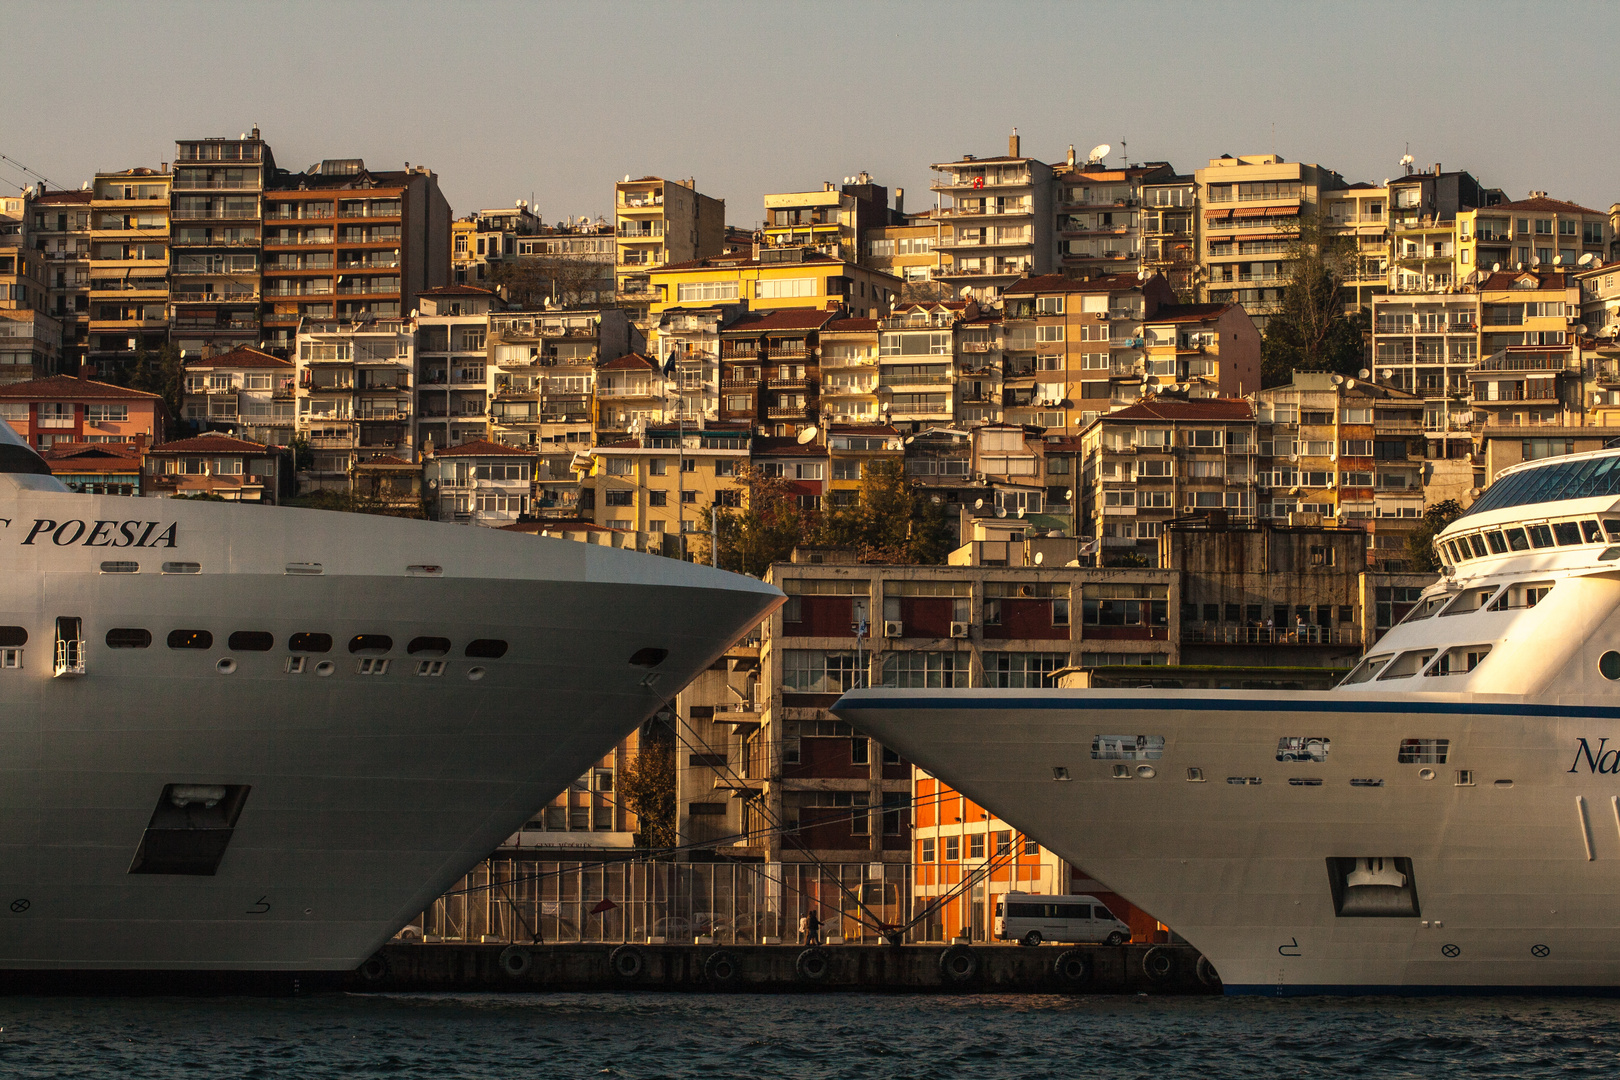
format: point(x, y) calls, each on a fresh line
point(562, 1036)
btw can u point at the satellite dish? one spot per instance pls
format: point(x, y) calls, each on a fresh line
point(1558, 260)
point(1069, 494)
point(1040, 557)
point(1098, 152)
point(1581, 328)
point(1020, 511)
point(978, 504)
point(1150, 380)
point(1585, 260)
point(808, 435)
point(1001, 511)
point(1363, 374)
point(1406, 159)
point(1518, 266)
point(1336, 379)
point(965, 291)
point(627, 178)
point(1535, 260)
point(910, 439)
point(1496, 267)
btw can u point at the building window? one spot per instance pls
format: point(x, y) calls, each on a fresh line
point(926, 670)
point(1023, 670)
point(817, 671)
point(927, 850)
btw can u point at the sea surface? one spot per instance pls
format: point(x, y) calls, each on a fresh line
point(713, 1037)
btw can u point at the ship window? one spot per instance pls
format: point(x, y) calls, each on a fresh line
point(435, 646)
point(310, 643)
point(129, 638)
point(1366, 669)
point(1567, 533)
point(11, 658)
point(486, 649)
point(1516, 540)
point(1305, 781)
point(250, 641)
point(1426, 607)
point(1498, 544)
point(370, 643)
point(1525, 594)
point(1540, 536)
point(1478, 544)
point(1407, 664)
point(120, 568)
point(1612, 527)
point(430, 668)
point(190, 639)
point(1458, 660)
point(1423, 750)
point(371, 665)
point(1302, 748)
point(1362, 782)
point(182, 568)
point(1609, 665)
point(1470, 600)
point(13, 637)
point(1591, 532)
point(1451, 549)
point(1129, 747)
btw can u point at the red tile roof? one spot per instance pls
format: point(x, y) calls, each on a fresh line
point(849, 325)
point(1057, 283)
point(62, 198)
point(386, 459)
point(210, 444)
point(68, 388)
point(243, 356)
point(1505, 279)
point(456, 290)
point(1171, 409)
point(63, 452)
point(761, 322)
point(630, 362)
point(1544, 205)
point(1174, 313)
point(482, 448)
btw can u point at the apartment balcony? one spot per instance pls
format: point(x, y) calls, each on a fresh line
point(299, 241)
point(1008, 270)
point(960, 242)
point(630, 393)
point(213, 298)
point(1020, 210)
point(328, 388)
point(212, 242)
point(788, 352)
point(788, 384)
point(787, 412)
point(1533, 362)
point(313, 212)
point(892, 383)
point(640, 202)
point(834, 390)
point(968, 181)
point(629, 232)
point(212, 325)
point(327, 442)
point(729, 383)
point(182, 182)
point(67, 256)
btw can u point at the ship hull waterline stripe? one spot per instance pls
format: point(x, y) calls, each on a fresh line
point(1591, 712)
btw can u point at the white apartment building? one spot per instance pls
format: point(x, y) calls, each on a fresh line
point(452, 373)
point(354, 394)
point(996, 228)
point(244, 392)
point(478, 482)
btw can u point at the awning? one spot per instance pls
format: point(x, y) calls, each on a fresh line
point(1217, 215)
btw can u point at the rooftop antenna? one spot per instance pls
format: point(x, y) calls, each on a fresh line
point(1123, 154)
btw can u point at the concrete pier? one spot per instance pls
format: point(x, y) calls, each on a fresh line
point(1001, 969)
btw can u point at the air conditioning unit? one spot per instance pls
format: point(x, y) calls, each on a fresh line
point(894, 629)
point(959, 629)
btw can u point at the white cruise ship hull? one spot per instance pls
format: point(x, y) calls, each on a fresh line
point(365, 795)
point(1515, 875)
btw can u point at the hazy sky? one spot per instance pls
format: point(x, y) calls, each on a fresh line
point(557, 101)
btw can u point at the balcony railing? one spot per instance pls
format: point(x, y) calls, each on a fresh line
point(1223, 634)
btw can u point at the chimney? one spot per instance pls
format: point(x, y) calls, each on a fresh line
point(899, 200)
point(1012, 144)
point(140, 441)
point(85, 371)
point(1071, 155)
point(826, 185)
point(1437, 168)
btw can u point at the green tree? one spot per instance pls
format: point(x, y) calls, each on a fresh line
point(646, 787)
point(163, 374)
point(1420, 554)
point(890, 522)
point(766, 529)
point(1311, 332)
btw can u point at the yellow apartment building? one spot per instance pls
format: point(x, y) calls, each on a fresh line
point(788, 277)
point(1361, 212)
point(1537, 233)
point(850, 449)
point(849, 371)
point(1530, 371)
point(129, 263)
point(908, 251)
point(661, 485)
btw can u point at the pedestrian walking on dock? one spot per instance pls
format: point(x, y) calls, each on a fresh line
point(810, 928)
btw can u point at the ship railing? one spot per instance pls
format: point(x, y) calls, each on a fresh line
point(1221, 634)
point(69, 658)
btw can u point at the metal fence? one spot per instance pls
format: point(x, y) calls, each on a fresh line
point(526, 900)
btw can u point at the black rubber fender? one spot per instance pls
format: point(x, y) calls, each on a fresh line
point(1072, 967)
point(958, 965)
point(1206, 972)
point(375, 969)
point(626, 963)
point(722, 968)
point(516, 961)
point(812, 964)
point(1158, 964)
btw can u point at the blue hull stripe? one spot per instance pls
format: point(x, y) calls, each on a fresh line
point(1328, 989)
point(1068, 703)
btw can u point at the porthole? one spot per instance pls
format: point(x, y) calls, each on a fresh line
point(226, 666)
point(324, 668)
point(190, 639)
point(129, 638)
point(310, 643)
point(486, 649)
point(475, 673)
point(431, 646)
point(1609, 665)
point(120, 568)
point(182, 568)
point(251, 641)
point(1426, 774)
point(370, 643)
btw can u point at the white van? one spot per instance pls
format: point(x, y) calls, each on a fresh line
point(1030, 919)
